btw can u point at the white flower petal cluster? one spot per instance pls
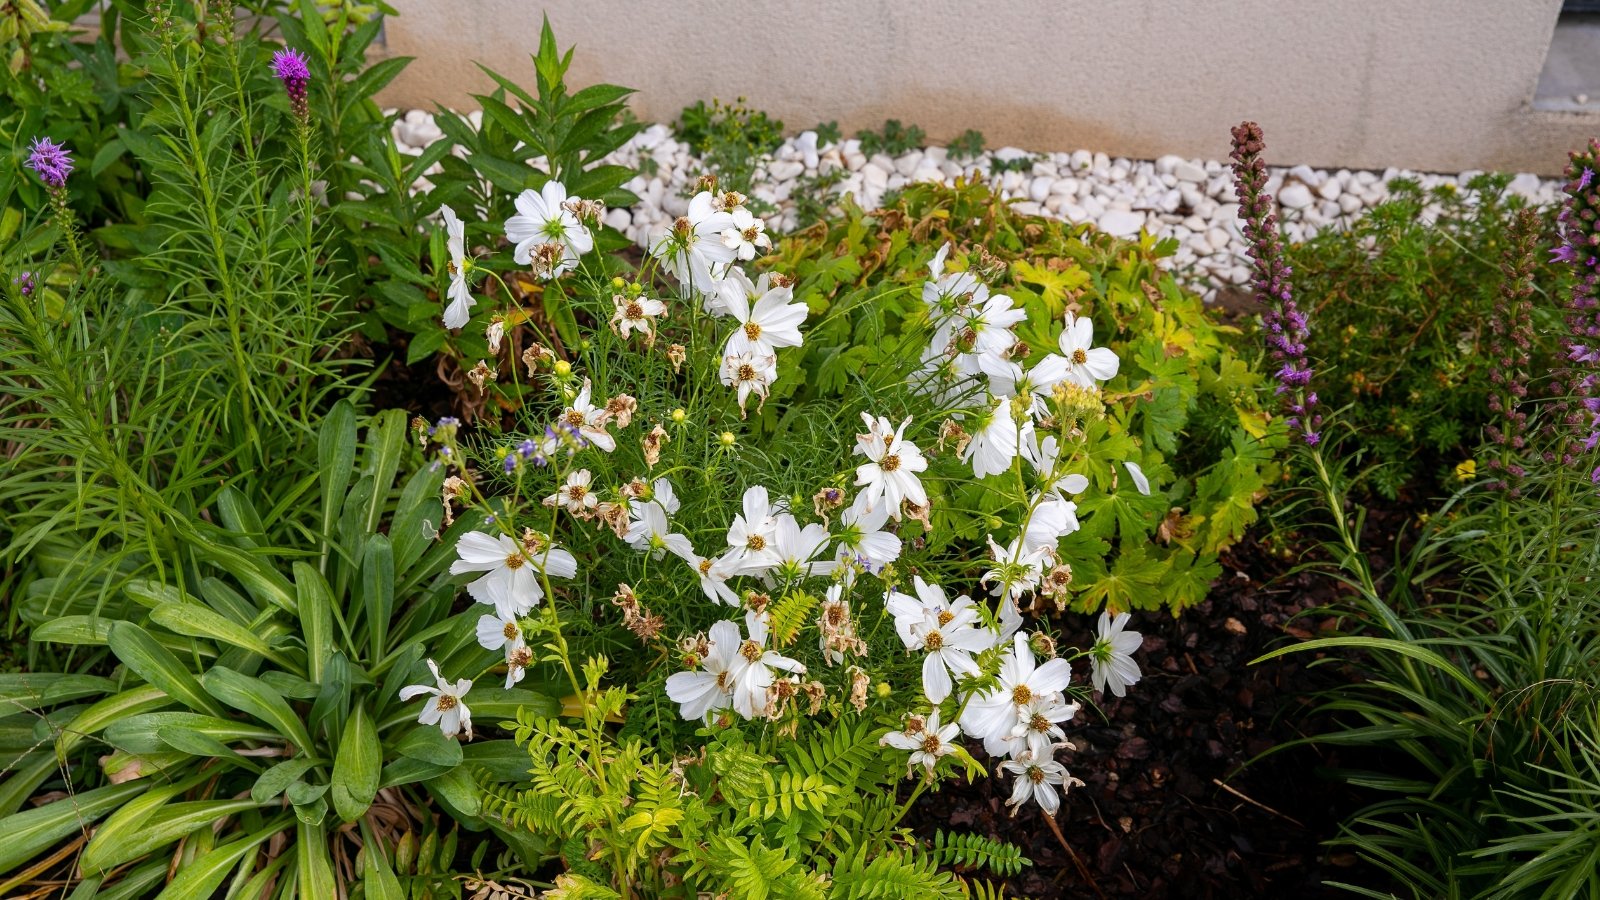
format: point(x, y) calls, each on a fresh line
point(447, 710)
point(544, 218)
point(511, 570)
point(735, 674)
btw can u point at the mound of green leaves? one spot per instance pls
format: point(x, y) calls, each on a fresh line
point(1185, 407)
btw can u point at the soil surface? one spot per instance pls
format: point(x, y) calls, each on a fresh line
point(1168, 807)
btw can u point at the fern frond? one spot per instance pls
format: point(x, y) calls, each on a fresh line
point(974, 852)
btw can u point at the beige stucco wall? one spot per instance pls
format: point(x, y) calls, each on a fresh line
point(1441, 85)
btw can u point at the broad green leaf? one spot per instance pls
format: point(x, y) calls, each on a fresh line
point(155, 664)
point(336, 458)
point(357, 767)
point(262, 581)
point(33, 831)
point(277, 779)
point(457, 791)
point(377, 591)
point(201, 876)
point(198, 743)
point(386, 438)
point(141, 733)
point(428, 744)
point(256, 698)
point(197, 621)
point(116, 708)
point(316, 618)
point(25, 691)
point(313, 867)
point(122, 829)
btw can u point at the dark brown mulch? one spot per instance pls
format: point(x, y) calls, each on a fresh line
point(1167, 808)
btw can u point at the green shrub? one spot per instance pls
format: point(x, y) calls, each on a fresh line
point(1403, 306)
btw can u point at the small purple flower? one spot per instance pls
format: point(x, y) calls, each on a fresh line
point(24, 283)
point(50, 161)
point(511, 463)
point(289, 67)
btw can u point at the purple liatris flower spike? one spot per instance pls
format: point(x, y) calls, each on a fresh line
point(50, 161)
point(1286, 326)
point(289, 66)
point(1576, 385)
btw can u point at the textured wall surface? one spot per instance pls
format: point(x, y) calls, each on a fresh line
point(1442, 85)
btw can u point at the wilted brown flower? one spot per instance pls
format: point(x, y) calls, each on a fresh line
point(621, 408)
point(676, 353)
point(652, 444)
point(535, 356)
point(481, 374)
point(858, 688)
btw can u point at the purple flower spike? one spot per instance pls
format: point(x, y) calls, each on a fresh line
point(24, 283)
point(289, 66)
point(1287, 327)
point(1578, 380)
point(50, 161)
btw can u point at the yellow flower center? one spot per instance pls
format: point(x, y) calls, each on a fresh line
point(634, 311)
point(890, 462)
point(756, 542)
point(751, 650)
point(514, 561)
point(705, 567)
point(934, 640)
point(576, 492)
point(945, 617)
point(446, 703)
point(574, 418)
point(511, 630)
point(931, 743)
point(751, 233)
point(752, 331)
point(1079, 357)
point(1036, 775)
point(1021, 694)
point(1039, 723)
point(747, 372)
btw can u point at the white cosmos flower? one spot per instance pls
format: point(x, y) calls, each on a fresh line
point(1031, 390)
point(771, 322)
point(927, 744)
point(589, 420)
point(996, 444)
point(542, 218)
point(745, 234)
point(447, 709)
point(714, 573)
point(750, 373)
point(945, 293)
point(736, 291)
point(1053, 518)
point(510, 582)
point(702, 692)
point(1037, 780)
point(983, 331)
point(691, 248)
point(751, 682)
point(459, 311)
point(636, 314)
point(575, 494)
point(999, 710)
point(1038, 731)
point(1080, 362)
point(648, 528)
point(861, 537)
point(1019, 566)
point(799, 548)
point(1045, 456)
point(495, 633)
point(752, 534)
point(1111, 658)
point(889, 476)
point(949, 632)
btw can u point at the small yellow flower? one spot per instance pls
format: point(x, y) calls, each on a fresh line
point(678, 415)
point(1467, 471)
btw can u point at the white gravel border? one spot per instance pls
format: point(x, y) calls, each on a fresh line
point(1190, 200)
